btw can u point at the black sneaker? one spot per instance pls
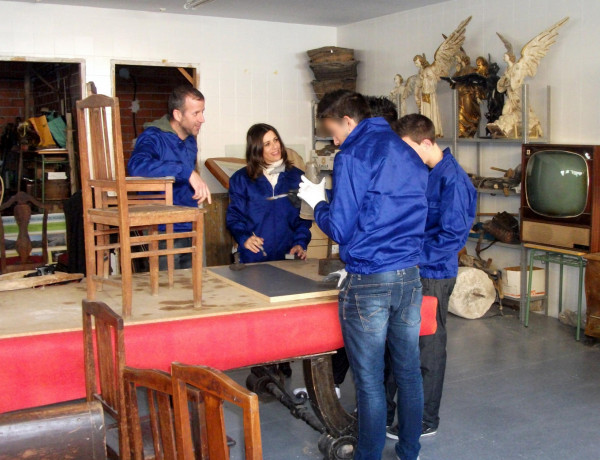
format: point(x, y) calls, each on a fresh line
point(428, 431)
point(391, 432)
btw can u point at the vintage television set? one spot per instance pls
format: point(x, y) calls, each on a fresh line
point(560, 196)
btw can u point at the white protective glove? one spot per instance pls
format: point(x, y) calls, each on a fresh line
point(343, 274)
point(313, 194)
point(338, 276)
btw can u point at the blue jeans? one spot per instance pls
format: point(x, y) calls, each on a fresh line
point(375, 309)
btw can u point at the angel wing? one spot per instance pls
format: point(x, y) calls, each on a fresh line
point(449, 48)
point(533, 52)
point(409, 88)
point(507, 44)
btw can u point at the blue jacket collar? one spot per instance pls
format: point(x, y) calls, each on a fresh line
point(376, 124)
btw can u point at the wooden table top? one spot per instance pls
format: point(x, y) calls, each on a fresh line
point(58, 308)
point(570, 252)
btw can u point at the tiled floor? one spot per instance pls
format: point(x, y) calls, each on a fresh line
point(510, 393)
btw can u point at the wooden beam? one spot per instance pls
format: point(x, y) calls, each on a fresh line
point(187, 76)
point(44, 81)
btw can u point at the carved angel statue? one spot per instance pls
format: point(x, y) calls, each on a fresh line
point(509, 123)
point(429, 75)
point(401, 91)
point(396, 93)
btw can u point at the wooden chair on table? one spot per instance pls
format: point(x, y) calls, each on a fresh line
point(104, 362)
point(215, 387)
point(110, 209)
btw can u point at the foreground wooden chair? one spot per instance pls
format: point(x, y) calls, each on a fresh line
point(104, 364)
point(109, 209)
point(215, 387)
point(152, 436)
point(74, 431)
point(160, 427)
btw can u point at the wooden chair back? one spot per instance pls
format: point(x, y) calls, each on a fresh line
point(152, 434)
point(23, 203)
point(104, 362)
point(101, 153)
point(215, 388)
point(158, 391)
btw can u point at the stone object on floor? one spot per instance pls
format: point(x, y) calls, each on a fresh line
point(473, 294)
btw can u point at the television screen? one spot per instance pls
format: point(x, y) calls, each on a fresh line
point(556, 183)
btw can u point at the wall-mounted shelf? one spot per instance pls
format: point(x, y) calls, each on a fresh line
point(489, 140)
point(500, 244)
point(497, 191)
point(480, 143)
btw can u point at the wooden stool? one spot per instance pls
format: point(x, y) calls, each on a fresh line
point(548, 255)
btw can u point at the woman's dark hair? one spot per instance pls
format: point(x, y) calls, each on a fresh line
point(254, 149)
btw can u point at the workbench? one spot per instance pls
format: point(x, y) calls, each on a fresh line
point(41, 344)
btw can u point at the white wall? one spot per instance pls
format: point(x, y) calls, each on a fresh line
point(387, 45)
point(250, 71)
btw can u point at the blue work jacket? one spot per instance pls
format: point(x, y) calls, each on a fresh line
point(278, 222)
point(159, 152)
point(378, 210)
point(452, 201)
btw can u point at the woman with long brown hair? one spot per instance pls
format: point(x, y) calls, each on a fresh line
point(265, 223)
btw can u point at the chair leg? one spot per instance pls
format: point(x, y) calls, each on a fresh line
point(126, 279)
point(153, 262)
point(528, 292)
point(102, 265)
point(90, 258)
point(170, 257)
point(198, 245)
point(579, 298)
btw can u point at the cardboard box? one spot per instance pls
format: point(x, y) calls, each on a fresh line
point(511, 282)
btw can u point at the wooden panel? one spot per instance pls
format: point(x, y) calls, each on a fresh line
point(218, 240)
point(273, 284)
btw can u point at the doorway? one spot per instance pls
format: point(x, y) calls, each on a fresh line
point(28, 89)
point(143, 91)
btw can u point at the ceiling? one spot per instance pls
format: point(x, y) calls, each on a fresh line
point(315, 12)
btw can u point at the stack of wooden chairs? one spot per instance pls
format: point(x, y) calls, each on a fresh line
point(184, 419)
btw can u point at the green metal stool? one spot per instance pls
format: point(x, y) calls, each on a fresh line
point(548, 255)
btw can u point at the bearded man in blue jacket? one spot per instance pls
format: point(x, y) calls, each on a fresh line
point(377, 215)
point(452, 201)
point(169, 147)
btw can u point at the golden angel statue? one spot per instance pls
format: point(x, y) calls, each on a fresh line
point(509, 123)
point(429, 74)
point(401, 91)
point(469, 95)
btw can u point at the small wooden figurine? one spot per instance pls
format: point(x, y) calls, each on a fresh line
point(401, 92)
